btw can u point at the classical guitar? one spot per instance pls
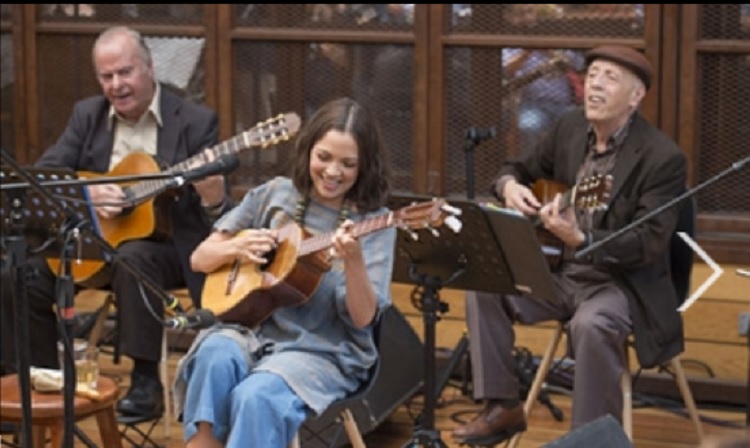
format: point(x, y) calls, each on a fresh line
point(247, 293)
point(591, 193)
point(142, 219)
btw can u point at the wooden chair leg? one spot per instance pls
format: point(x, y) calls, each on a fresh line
point(102, 313)
point(295, 442)
point(687, 395)
point(108, 430)
point(352, 430)
point(56, 434)
point(627, 396)
point(541, 374)
point(39, 437)
point(164, 372)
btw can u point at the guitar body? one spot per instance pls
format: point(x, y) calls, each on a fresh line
point(137, 223)
point(246, 293)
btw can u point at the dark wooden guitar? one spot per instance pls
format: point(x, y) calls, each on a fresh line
point(143, 218)
point(591, 194)
point(247, 293)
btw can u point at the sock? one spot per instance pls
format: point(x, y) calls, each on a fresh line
point(146, 368)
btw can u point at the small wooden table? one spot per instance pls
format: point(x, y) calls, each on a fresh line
point(48, 411)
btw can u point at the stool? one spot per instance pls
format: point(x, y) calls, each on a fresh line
point(48, 411)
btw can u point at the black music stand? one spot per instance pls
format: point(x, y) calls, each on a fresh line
point(472, 259)
point(51, 223)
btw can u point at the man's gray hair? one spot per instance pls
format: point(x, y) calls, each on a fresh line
point(114, 31)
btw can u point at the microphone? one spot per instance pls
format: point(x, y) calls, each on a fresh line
point(223, 165)
point(477, 135)
point(202, 318)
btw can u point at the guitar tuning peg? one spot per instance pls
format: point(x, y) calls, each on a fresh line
point(434, 231)
point(453, 223)
point(412, 234)
point(455, 211)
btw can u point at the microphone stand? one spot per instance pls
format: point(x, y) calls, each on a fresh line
point(469, 147)
point(473, 138)
point(16, 246)
point(690, 192)
point(64, 290)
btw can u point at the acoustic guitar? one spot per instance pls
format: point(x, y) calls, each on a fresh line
point(247, 293)
point(591, 193)
point(143, 218)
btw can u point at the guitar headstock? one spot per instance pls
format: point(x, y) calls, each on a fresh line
point(274, 130)
point(592, 193)
point(428, 215)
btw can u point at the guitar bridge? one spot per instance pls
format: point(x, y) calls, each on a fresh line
point(232, 278)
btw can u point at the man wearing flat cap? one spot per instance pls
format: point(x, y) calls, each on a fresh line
point(620, 287)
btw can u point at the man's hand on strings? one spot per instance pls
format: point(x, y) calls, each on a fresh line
point(563, 224)
point(107, 199)
point(520, 197)
point(211, 189)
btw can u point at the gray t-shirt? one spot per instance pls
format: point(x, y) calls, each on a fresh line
point(316, 349)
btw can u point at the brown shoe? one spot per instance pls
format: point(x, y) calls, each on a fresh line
point(493, 425)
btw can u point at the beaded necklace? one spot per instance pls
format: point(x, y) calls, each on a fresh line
point(301, 210)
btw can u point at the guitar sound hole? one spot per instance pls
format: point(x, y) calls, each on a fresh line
point(271, 257)
point(129, 197)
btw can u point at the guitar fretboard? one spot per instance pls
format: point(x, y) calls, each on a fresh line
point(234, 145)
point(324, 241)
point(263, 134)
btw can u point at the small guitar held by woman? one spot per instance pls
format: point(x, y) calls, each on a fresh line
point(246, 292)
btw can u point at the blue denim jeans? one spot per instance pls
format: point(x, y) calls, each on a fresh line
point(247, 409)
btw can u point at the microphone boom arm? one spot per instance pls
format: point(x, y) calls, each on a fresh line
point(598, 244)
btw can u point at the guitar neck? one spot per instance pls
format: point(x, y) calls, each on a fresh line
point(146, 189)
point(324, 241)
point(232, 146)
point(567, 198)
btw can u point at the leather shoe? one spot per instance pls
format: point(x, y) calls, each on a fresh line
point(493, 425)
point(145, 398)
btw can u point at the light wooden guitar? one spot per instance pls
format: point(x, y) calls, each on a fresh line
point(143, 218)
point(247, 293)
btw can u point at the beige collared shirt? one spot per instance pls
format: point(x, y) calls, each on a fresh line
point(139, 136)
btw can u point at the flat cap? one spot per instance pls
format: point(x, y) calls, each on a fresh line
point(630, 58)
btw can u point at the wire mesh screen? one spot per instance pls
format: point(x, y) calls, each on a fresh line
point(326, 15)
point(122, 13)
point(272, 78)
point(550, 19)
point(66, 74)
point(7, 89)
point(724, 132)
point(725, 21)
point(520, 92)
